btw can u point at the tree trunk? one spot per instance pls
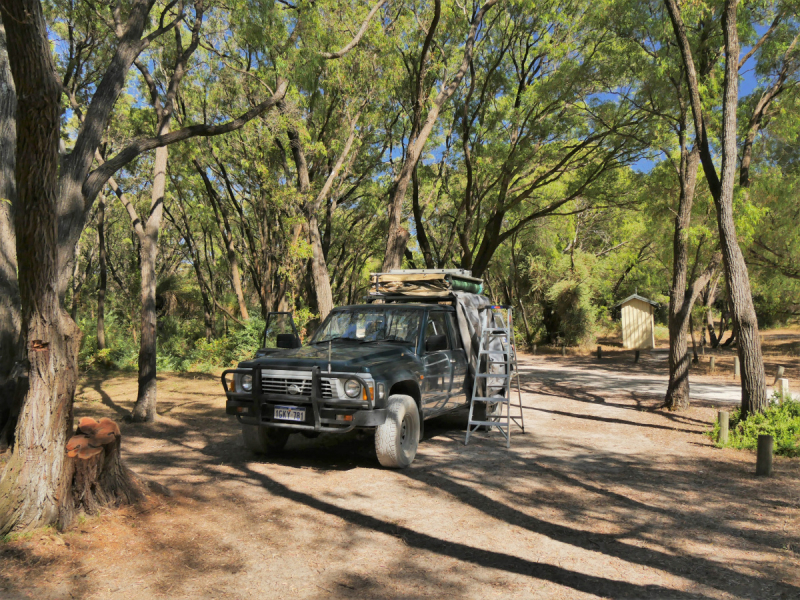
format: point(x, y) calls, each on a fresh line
point(754, 391)
point(33, 488)
point(9, 287)
point(319, 269)
point(695, 357)
point(754, 385)
point(677, 397)
point(422, 237)
point(101, 285)
point(145, 407)
point(10, 311)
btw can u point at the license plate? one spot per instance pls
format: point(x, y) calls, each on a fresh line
point(290, 413)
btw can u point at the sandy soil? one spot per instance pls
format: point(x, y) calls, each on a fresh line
point(603, 497)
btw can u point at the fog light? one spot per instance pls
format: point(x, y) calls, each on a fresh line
point(242, 409)
point(344, 417)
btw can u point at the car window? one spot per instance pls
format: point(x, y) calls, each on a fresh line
point(454, 329)
point(370, 325)
point(437, 326)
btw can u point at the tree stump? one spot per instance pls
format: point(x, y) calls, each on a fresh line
point(99, 477)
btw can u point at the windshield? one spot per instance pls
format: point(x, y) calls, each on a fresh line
point(371, 325)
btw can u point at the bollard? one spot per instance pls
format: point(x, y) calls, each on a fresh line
point(599, 352)
point(564, 350)
point(636, 357)
point(712, 364)
point(764, 456)
point(722, 418)
point(778, 375)
point(783, 389)
point(736, 367)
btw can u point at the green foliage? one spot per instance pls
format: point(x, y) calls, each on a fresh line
point(227, 351)
point(572, 301)
point(781, 420)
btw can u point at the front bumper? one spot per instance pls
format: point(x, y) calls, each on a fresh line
point(322, 414)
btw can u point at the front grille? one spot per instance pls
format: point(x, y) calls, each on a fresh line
point(272, 384)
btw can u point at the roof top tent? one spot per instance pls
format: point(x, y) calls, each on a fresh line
point(423, 284)
point(638, 323)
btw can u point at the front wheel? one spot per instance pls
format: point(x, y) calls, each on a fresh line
point(264, 440)
point(396, 440)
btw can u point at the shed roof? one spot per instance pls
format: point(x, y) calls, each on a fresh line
point(635, 297)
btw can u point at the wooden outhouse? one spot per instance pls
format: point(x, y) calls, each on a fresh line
point(638, 324)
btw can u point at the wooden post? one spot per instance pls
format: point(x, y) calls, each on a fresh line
point(722, 418)
point(599, 352)
point(534, 349)
point(764, 456)
point(778, 375)
point(712, 364)
point(636, 356)
point(783, 389)
point(563, 350)
point(736, 367)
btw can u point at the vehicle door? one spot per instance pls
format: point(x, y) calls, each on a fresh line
point(437, 368)
point(459, 393)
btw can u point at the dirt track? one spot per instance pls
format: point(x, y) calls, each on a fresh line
point(602, 497)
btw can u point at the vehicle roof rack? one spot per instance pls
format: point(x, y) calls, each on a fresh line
point(379, 298)
point(425, 282)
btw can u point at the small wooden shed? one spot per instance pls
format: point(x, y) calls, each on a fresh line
point(638, 324)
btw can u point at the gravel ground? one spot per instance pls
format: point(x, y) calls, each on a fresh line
point(603, 496)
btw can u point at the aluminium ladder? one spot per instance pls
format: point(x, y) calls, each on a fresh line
point(497, 339)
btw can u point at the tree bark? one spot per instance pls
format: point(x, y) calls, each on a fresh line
point(10, 315)
point(9, 287)
point(677, 397)
point(103, 277)
point(145, 407)
point(754, 385)
point(754, 391)
point(34, 485)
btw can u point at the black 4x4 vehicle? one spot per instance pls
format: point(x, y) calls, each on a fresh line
point(382, 366)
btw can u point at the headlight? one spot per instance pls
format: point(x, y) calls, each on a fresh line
point(247, 382)
point(352, 388)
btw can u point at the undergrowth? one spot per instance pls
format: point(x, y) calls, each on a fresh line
point(780, 420)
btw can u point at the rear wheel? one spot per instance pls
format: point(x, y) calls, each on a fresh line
point(264, 440)
point(397, 439)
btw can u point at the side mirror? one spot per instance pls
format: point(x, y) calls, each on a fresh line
point(287, 340)
point(436, 343)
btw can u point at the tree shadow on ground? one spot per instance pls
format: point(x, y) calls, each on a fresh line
point(562, 492)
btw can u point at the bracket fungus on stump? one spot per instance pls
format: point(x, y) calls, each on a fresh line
point(100, 479)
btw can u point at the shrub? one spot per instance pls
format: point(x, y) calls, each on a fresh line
point(780, 420)
point(576, 316)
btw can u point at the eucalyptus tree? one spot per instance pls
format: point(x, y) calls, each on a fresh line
point(537, 129)
point(421, 129)
point(649, 49)
point(722, 185)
